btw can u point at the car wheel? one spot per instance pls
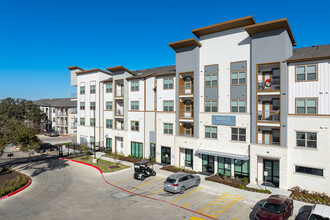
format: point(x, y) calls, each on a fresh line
point(153, 173)
point(142, 178)
point(197, 183)
point(182, 190)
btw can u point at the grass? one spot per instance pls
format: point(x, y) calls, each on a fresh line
point(105, 166)
point(14, 184)
point(311, 197)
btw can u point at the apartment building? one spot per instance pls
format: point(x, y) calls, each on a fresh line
point(61, 114)
point(240, 102)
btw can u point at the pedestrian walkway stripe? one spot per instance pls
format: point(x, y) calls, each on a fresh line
point(187, 194)
point(146, 183)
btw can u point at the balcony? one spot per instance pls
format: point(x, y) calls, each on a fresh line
point(186, 114)
point(186, 135)
point(271, 116)
point(276, 143)
point(186, 91)
point(119, 112)
point(269, 85)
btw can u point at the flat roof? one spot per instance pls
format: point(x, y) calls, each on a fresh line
point(75, 67)
point(93, 70)
point(271, 25)
point(119, 68)
point(185, 43)
point(227, 25)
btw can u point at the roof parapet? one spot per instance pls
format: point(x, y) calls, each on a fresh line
point(185, 43)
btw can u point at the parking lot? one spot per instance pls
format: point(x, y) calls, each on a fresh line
point(214, 204)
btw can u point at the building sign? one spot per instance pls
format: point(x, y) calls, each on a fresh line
point(223, 120)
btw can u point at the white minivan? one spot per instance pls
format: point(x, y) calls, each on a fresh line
point(320, 212)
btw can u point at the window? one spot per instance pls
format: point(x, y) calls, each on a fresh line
point(108, 106)
point(168, 83)
point(53, 119)
point(306, 106)
point(211, 106)
point(153, 151)
point(307, 139)
point(92, 105)
point(211, 80)
point(92, 139)
point(168, 106)
point(307, 170)
point(136, 149)
point(238, 78)
point(241, 168)
point(108, 87)
point(189, 158)
point(135, 86)
point(92, 89)
point(82, 90)
point(306, 72)
point(168, 128)
point(211, 132)
point(82, 106)
point(238, 105)
point(54, 109)
point(108, 123)
point(82, 121)
point(238, 134)
point(108, 144)
point(135, 105)
point(224, 166)
point(134, 125)
point(92, 122)
point(188, 83)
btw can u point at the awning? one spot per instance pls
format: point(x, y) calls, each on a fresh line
point(220, 154)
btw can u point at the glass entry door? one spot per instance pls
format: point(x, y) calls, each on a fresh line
point(272, 169)
point(166, 151)
point(208, 163)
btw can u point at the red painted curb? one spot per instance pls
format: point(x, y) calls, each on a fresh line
point(17, 191)
point(137, 193)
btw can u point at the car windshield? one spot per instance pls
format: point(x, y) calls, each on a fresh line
point(170, 180)
point(271, 207)
point(317, 217)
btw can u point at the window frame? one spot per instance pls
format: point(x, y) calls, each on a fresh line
point(138, 106)
point(168, 84)
point(309, 173)
point(191, 153)
point(94, 106)
point(211, 106)
point(136, 87)
point(82, 105)
point(106, 87)
point(110, 124)
point(238, 134)
point(306, 74)
point(306, 140)
point(168, 129)
point(106, 106)
point(238, 107)
point(136, 125)
point(168, 101)
point(80, 90)
point(82, 120)
point(92, 91)
point(90, 122)
point(306, 107)
point(210, 74)
point(211, 133)
point(137, 145)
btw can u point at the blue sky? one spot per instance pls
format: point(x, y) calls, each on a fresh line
point(40, 39)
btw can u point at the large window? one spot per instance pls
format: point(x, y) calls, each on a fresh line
point(108, 144)
point(189, 158)
point(82, 90)
point(238, 106)
point(168, 128)
point(134, 125)
point(134, 86)
point(168, 106)
point(108, 106)
point(135, 105)
point(238, 134)
point(92, 89)
point(211, 80)
point(92, 105)
point(238, 78)
point(307, 139)
point(224, 166)
point(308, 170)
point(82, 105)
point(242, 168)
point(306, 106)
point(306, 72)
point(211, 106)
point(92, 122)
point(137, 149)
point(109, 123)
point(82, 121)
point(109, 87)
point(211, 132)
point(153, 151)
point(168, 83)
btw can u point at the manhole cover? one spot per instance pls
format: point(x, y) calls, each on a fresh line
point(121, 195)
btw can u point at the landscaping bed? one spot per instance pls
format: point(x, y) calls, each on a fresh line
point(11, 181)
point(105, 166)
point(175, 169)
point(235, 182)
point(128, 158)
point(311, 197)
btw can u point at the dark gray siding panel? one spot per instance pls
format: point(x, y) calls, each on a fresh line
point(238, 92)
point(211, 69)
point(238, 66)
point(211, 93)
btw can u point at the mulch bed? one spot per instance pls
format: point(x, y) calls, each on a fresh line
point(7, 175)
point(310, 197)
point(177, 169)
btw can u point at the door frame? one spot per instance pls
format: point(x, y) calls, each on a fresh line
point(263, 168)
point(270, 136)
point(270, 108)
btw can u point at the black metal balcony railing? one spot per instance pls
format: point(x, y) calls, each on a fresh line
point(186, 91)
point(272, 85)
point(184, 134)
point(119, 112)
point(269, 142)
point(186, 114)
point(273, 116)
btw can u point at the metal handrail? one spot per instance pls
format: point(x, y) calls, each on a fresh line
point(269, 115)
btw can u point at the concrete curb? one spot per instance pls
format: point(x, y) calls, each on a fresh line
point(19, 190)
point(136, 194)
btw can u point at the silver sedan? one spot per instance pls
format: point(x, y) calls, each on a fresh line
point(179, 182)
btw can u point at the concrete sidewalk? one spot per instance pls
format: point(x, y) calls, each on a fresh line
point(251, 198)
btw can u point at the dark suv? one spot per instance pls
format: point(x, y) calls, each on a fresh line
point(276, 207)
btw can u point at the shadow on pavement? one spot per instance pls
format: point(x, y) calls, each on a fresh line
point(256, 207)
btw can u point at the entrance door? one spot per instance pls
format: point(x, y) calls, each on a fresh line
point(119, 145)
point(267, 108)
point(267, 137)
point(272, 167)
point(208, 163)
point(166, 151)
